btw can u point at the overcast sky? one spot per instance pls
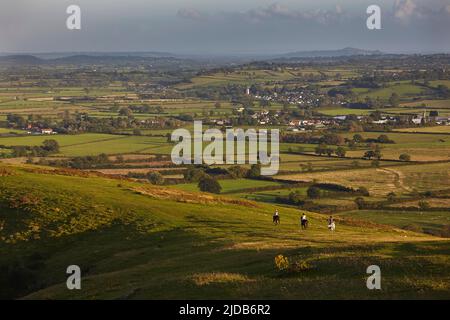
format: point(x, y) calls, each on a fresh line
point(223, 26)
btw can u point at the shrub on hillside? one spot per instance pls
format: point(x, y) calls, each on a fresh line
point(209, 184)
point(423, 205)
point(404, 157)
point(281, 262)
point(363, 191)
point(194, 174)
point(360, 202)
point(313, 192)
point(255, 171)
point(237, 172)
point(155, 178)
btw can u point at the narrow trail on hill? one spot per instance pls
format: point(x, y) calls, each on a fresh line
point(399, 178)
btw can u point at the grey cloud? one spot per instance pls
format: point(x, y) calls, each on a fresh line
point(192, 14)
point(403, 9)
point(281, 12)
point(407, 10)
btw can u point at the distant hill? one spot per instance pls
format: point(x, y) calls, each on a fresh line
point(105, 59)
point(331, 53)
point(162, 62)
point(20, 60)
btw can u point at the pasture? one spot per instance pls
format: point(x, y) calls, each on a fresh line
point(231, 185)
point(139, 241)
point(420, 221)
point(92, 143)
point(402, 179)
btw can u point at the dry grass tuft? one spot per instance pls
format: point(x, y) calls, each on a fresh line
point(202, 279)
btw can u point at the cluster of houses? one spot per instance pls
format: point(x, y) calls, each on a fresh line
point(292, 97)
point(39, 131)
point(414, 119)
point(302, 125)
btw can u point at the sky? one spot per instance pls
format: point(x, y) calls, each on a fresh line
point(222, 27)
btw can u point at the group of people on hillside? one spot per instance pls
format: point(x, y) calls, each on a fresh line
point(304, 221)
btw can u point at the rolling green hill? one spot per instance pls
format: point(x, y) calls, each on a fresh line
point(134, 240)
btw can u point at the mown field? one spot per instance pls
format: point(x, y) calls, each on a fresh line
point(437, 129)
point(381, 181)
point(419, 221)
point(135, 241)
point(404, 90)
point(94, 144)
point(421, 147)
point(230, 185)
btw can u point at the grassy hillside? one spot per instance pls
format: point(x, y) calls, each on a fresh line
point(134, 240)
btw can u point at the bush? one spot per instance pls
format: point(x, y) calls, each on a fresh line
point(281, 262)
point(333, 187)
point(340, 152)
point(360, 202)
point(445, 232)
point(51, 146)
point(391, 196)
point(295, 197)
point(193, 174)
point(299, 266)
point(155, 178)
point(255, 171)
point(404, 157)
point(313, 192)
point(423, 205)
point(209, 184)
point(237, 172)
point(363, 191)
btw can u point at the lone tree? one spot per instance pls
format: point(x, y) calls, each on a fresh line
point(126, 112)
point(50, 146)
point(358, 138)
point(423, 205)
point(209, 184)
point(394, 100)
point(391, 196)
point(363, 191)
point(155, 178)
point(360, 202)
point(369, 154)
point(376, 153)
point(321, 149)
point(340, 152)
point(405, 157)
point(255, 171)
point(313, 192)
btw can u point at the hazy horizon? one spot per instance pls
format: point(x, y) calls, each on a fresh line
point(200, 27)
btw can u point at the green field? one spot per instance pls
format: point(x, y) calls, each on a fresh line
point(421, 147)
point(425, 221)
point(94, 144)
point(402, 179)
point(231, 185)
point(405, 91)
point(437, 129)
point(14, 131)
